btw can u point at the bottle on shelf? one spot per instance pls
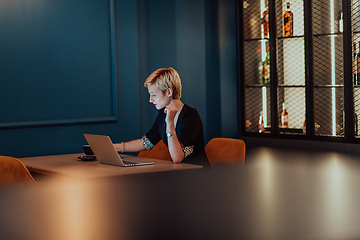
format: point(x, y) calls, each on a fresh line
point(288, 22)
point(355, 64)
point(265, 21)
point(304, 127)
point(248, 125)
point(261, 123)
point(266, 68)
point(284, 117)
point(358, 67)
point(341, 20)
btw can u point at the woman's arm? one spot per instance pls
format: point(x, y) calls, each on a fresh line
point(132, 146)
point(175, 149)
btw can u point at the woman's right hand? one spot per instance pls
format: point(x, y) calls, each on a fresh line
point(170, 111)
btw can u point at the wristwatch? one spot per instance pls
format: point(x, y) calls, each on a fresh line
point(170, 134)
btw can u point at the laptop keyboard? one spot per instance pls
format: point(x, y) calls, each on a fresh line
point(127, 163)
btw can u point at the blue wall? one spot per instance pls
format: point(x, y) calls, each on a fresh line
point(74, 67)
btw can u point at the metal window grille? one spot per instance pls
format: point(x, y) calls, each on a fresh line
point(257, 91)
point(290, 61)
point(355, 20)
point(328, 68)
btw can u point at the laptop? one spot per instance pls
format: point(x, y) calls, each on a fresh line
point(106, 153)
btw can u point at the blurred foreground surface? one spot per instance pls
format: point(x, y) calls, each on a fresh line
point(274, 196)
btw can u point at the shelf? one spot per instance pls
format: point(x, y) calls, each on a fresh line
point(286, 130)
point(267, 39)
point(280, 86)
point(329, 86)
point(256, 86)
point(297, 86)
point(291, 130)
point(256, 39)
point(340, 34)
point(290, 86)
point(328, 34)
point(292, 37)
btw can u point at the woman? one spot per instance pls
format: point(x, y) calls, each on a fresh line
point(177, 124)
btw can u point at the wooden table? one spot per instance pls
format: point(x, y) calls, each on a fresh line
point(70, 166)
point(274, 196)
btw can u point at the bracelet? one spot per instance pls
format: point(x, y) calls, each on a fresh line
point(123, 147)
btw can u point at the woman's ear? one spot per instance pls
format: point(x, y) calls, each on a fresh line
point(169, 92)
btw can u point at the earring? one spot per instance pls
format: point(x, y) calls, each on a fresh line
point(170, 98)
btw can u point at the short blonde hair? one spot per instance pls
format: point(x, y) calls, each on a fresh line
point(165, 78)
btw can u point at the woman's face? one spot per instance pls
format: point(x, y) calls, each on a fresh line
point(157, 97)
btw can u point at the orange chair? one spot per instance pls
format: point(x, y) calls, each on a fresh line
point(225, 151)
point(13, 171)
point(159, 151)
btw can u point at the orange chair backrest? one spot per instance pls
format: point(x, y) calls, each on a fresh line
point(225, 150)
point(12, 170)
point(159, 151)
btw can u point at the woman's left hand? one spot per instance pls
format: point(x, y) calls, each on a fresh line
point(170, 113)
